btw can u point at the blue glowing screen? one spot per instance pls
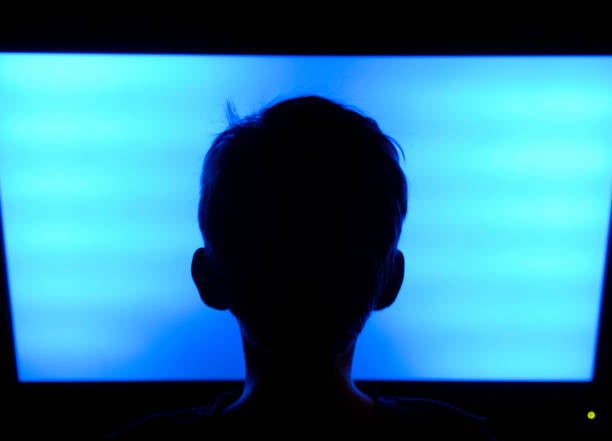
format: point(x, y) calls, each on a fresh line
point(509, 163)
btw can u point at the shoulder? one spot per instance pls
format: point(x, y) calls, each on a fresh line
point(175, 425)
point(433, 419)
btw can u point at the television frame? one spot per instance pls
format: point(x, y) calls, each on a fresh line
point(513, 408)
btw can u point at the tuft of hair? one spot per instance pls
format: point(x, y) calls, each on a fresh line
point(231, 114)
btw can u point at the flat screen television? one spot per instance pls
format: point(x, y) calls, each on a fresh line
point(509, 164)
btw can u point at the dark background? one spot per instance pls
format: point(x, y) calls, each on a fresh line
point(304, 29)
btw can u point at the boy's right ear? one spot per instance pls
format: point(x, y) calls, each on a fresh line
point(209, 283)
point(395, 279)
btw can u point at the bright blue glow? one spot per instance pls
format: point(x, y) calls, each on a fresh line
point(509, 161)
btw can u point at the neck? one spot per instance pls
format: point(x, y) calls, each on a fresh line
point(292, 382)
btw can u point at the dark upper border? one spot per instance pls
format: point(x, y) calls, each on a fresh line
point(388, 33)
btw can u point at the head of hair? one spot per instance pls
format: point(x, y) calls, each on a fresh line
point(301, 209)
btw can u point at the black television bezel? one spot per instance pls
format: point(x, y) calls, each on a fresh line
point(512, 407)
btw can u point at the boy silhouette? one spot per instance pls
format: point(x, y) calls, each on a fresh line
point(301, 211)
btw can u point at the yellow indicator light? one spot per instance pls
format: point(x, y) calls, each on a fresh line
point(591, 415)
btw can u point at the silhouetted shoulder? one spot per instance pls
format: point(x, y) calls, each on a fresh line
point(180, 424)
point(428, 419)
point(416, 418)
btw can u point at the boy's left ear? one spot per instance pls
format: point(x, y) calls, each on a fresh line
point(209, 283)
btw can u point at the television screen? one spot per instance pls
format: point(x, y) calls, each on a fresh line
point(509, 167)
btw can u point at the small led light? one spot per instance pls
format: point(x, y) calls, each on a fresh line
point(591, 415)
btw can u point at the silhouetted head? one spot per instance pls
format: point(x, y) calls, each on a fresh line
point(301, 210)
